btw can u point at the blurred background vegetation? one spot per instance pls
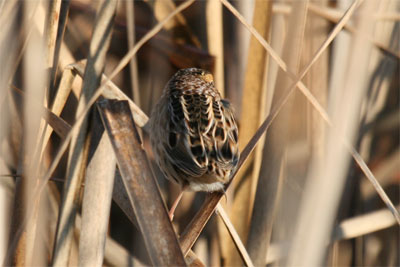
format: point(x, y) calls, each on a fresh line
point(321, 187)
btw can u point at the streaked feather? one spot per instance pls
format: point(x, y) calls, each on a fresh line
point(193, 132)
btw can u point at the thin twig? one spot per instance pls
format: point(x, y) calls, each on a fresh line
point(236, 239)
point(145, 198)
point(130, 32)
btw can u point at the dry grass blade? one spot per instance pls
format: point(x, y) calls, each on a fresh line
point(62, 22)
point(8, 48)
point(363, 225)
point(7, 19)
point(317, 30)
point(378, 188)
point(60, 126)
point(77, 158)
point(160, 239)
point(51, 31)
point(238, 243)
point(64, 89)
point(130, 20)
point(97, 196)
point(383, 173)
point(36, 254)
point(215, 39)
point(6, 188)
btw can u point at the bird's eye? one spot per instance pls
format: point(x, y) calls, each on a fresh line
point(208, 77)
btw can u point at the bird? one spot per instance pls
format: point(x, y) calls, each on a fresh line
point(193, 133)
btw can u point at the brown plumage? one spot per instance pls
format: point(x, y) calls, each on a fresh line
point(193, 132)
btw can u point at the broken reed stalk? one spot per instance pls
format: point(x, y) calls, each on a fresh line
point(159, 236)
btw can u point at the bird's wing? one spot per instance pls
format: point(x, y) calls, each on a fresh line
point(222, 138)
point(184, 148)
